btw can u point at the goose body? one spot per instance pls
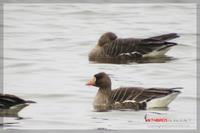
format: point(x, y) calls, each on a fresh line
point(136, 98)
point(11, 104)
point(110, 46)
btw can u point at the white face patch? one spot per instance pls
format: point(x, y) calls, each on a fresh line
point(94, 79)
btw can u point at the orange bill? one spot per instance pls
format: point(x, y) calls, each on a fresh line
point(91, 81)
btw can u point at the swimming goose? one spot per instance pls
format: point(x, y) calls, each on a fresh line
point(11, 104)
point(110, 46)
point(136, 98)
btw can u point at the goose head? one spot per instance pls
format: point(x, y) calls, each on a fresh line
point(106, 38)
point(101, 80)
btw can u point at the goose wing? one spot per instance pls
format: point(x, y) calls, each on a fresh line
point(138, 47)
point(140, 94)
point(156, 43)
point(121, 46)
point(7, 101)
point(164, 37)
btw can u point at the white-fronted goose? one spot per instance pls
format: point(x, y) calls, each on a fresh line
point(11, 104)
point(136, 98)
point(109, 46)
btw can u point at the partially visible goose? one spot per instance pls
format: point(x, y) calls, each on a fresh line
point(110, 46)
point(11, 104)
point(136, 98)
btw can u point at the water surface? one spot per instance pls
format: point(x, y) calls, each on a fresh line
point(45, 60)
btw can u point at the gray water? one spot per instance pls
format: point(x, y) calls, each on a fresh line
point(45, 60)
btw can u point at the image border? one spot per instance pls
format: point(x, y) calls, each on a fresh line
point(2, 2)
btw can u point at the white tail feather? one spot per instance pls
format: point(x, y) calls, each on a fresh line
point(163, 101)
point(13, 110)
point(157, 53)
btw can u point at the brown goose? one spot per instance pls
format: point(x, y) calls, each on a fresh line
point(129, 97)
point(11, 104)
point(110, 46)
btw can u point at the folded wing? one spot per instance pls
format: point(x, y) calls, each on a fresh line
point(139, 47)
